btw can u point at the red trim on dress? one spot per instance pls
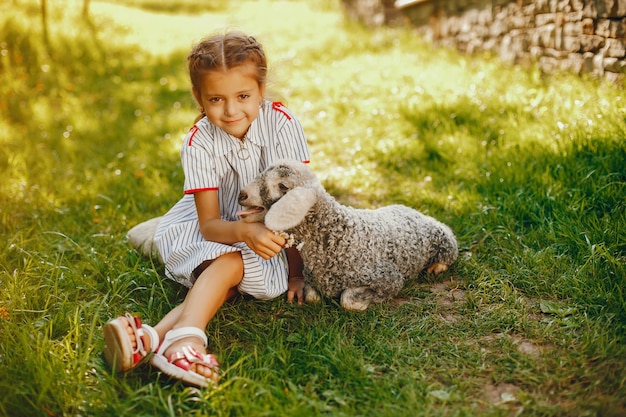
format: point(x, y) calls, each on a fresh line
point(277, 106)
point(193, 131)
point(197, 190)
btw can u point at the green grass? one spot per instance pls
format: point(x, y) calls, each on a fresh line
point(528, 170)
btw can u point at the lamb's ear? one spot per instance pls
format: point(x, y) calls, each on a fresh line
point(291, 209)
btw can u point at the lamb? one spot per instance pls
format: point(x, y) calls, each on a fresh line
point(361, 256)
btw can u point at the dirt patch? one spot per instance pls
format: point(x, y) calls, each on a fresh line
point(526, 347)
point(501, 393)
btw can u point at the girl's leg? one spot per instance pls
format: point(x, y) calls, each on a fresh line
point(216, 284)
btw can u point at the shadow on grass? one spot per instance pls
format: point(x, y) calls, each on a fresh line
point(537, 205)
point(97, 118)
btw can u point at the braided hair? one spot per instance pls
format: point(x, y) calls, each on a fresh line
point(223, 52)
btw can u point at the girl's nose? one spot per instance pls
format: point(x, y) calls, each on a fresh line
point(230, 108)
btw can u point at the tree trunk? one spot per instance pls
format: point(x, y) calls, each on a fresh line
point(44, 25)
point(86, 9)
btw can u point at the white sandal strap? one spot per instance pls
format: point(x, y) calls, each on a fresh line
point(142, 331)
point(154, 336)
point(139, 347)
point(181, 333)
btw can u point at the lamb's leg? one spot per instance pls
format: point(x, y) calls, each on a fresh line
point(311, 296)
point(356, 299)
point(437, 268)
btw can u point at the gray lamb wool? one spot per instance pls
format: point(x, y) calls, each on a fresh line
point(362, 256)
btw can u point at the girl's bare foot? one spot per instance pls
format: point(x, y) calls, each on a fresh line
point(145, 338)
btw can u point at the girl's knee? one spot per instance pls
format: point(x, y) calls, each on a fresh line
point(234, 259)
point(226, 267)
point(230, 266)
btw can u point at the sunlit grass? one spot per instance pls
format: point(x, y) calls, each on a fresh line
point(528, 170)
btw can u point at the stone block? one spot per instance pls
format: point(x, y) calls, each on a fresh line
point(575, 63)
point(546, 36)
point(544, 19)
point(555, 53)
point(602, 27)
point(455, 25)
point(598, 64)
point(485, 17)
point(519, 21)
point(587, 63)
point(542, 6)
point(616, 28)
point(491, 45)
point(615, 48)
point(614, 77)
point(470, 17)
point(590, 10)
point(611, 8)
point(499, 28)
point(553, 5)
point(536, 51)
point(530, 10)
point(573, 29)
point(609, 64)
point(614, 65)
point(563, 6)
point(591, 43)
point(548, 65)
point(474, 46)
point(574, 16)
point(571, 44)
point(577, 5)
point(558, 37)
point(588, 27)
point(535, 37)
point(567, 65)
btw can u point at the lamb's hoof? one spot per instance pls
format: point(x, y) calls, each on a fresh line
point(437, 269)
point(356, 299)
point(311, 296)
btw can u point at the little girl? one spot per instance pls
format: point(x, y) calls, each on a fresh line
point(201, 240)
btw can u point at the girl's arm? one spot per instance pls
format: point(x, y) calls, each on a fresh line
point(258, 237)
point(295, 286)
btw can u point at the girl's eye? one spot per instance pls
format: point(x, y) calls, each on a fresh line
point(283, 187)
point(214, 99)
point(244, 96)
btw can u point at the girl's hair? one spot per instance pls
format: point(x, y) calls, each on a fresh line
point(223, 52)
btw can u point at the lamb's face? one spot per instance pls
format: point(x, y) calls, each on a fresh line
point(270, 186)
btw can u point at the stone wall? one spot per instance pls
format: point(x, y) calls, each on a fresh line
point(583, 36)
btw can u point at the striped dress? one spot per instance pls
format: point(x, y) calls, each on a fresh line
point(215, 160)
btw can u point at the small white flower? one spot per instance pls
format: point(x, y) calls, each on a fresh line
point(290, 238)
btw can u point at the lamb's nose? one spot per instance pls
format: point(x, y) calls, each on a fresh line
point(243, 196)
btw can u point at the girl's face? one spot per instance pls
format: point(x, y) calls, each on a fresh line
point(231, 99)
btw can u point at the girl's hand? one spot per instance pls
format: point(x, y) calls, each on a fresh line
point(262, 240)
point(295, 289)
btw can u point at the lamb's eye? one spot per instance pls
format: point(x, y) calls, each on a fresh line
point(283, 187)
